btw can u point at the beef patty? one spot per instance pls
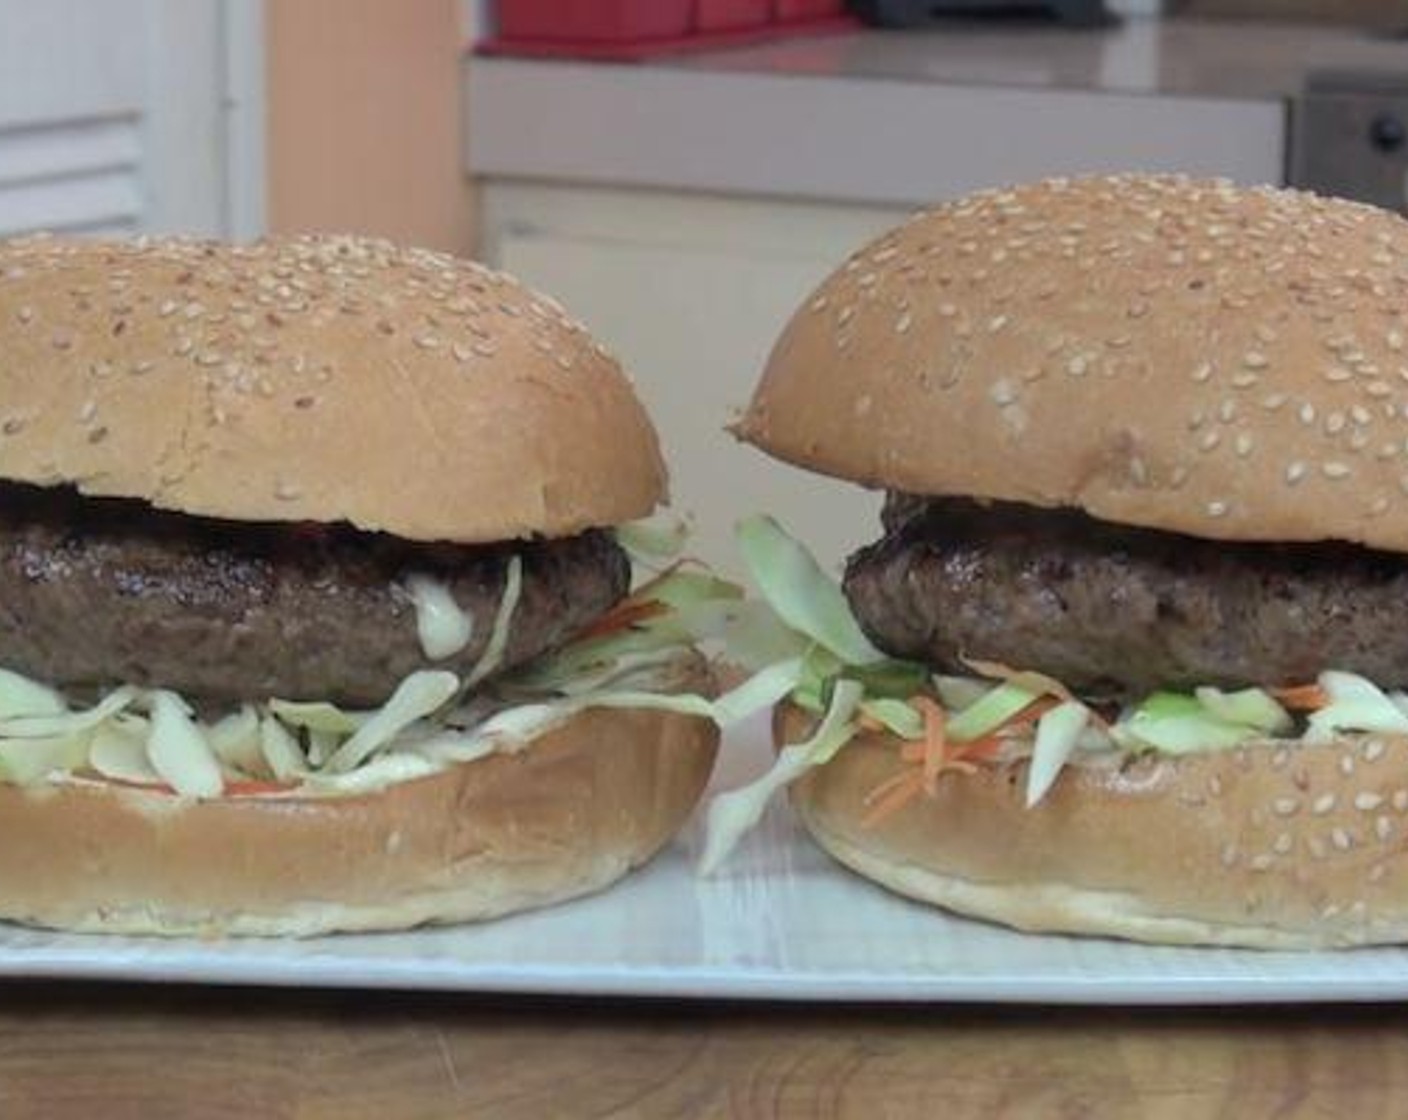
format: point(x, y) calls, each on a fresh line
point(1114, 611)
point(106, 591)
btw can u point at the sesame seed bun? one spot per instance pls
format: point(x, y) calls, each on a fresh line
point(1180, 355)
point(570, 813)
point(1264, 846)
point(319, 379)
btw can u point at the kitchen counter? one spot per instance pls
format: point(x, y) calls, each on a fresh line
point(896, 118)
point(1172, 57)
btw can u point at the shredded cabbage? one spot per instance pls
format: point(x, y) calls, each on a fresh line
point(1058, 734)
point(119, 751)
point(20, 696)
point(498, 636)
point(1355, 704)
point(178, 751)
point(1251, 707)
point(992, 710)
point(415, 697)
point(654, 542)
point(803, 595)
point(731, 815)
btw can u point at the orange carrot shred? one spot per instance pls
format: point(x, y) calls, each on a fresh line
point(891, 796)
point(935, 742)
point(623, 617)
point(1302, 698)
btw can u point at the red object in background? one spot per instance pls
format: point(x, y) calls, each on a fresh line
point(807, 9)
point(729, 15)
point(629, 30)
point(594, 20)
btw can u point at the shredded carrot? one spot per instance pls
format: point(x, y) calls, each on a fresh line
point(1302, 698)
point(935, 742)
point(891, 796)
point(247, 788)
point(253, 787)
point(936, 754)
point(624, 616)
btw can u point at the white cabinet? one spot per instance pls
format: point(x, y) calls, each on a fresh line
point(690, 292)
point(130, 115)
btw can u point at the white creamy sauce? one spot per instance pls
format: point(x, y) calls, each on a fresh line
point(442, 627)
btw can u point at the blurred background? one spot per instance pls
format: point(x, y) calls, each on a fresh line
point(679, 173)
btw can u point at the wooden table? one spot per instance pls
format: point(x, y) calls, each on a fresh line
point(110, 1052)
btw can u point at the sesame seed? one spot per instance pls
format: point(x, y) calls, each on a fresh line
point(1255, 359)
point(996, 323)
point(25, 314)
point(1283, 844)
point(1342, 839)
point(1307, 413)
point(1272, 401)
point(1335, 470)
point(1378, 389)
point(1337, 373)
point(1285, 806)
point(903, 323)
point(1244, 380)
point(1229, 855)
point(286, 491)
point(1335, 422)
point(1294, 473)
point(1260, 862)
point(1077, 366)
point(1383, 828)
point(1367, 801)
point(1323, 804)
point(1359, 414)
point(947, 310)
point(1217, 509)
point(1374, 750)
point(1209, 440)
point(1003, 392)
point(1202, 372)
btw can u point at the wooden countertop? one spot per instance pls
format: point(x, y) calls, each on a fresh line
point(114, 1051)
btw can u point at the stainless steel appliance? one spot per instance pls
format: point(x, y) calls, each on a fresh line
point(1349, 136)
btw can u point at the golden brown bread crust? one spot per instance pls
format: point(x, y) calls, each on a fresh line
point(1180, 355)
point(315, 378)
point(571, 813)
point(1265, 846)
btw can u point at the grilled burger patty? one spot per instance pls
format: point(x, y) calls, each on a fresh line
point(1112, 610)
point(110, 591)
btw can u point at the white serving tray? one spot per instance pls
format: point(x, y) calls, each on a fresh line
point(781, 922)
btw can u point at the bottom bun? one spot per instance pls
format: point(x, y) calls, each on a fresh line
point(1267, 845)
point(571, 813)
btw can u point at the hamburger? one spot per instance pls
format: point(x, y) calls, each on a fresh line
point(1128, 658)
point(315, 611)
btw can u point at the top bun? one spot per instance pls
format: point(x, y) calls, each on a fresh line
point(314, 378)
point(1181, 355)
